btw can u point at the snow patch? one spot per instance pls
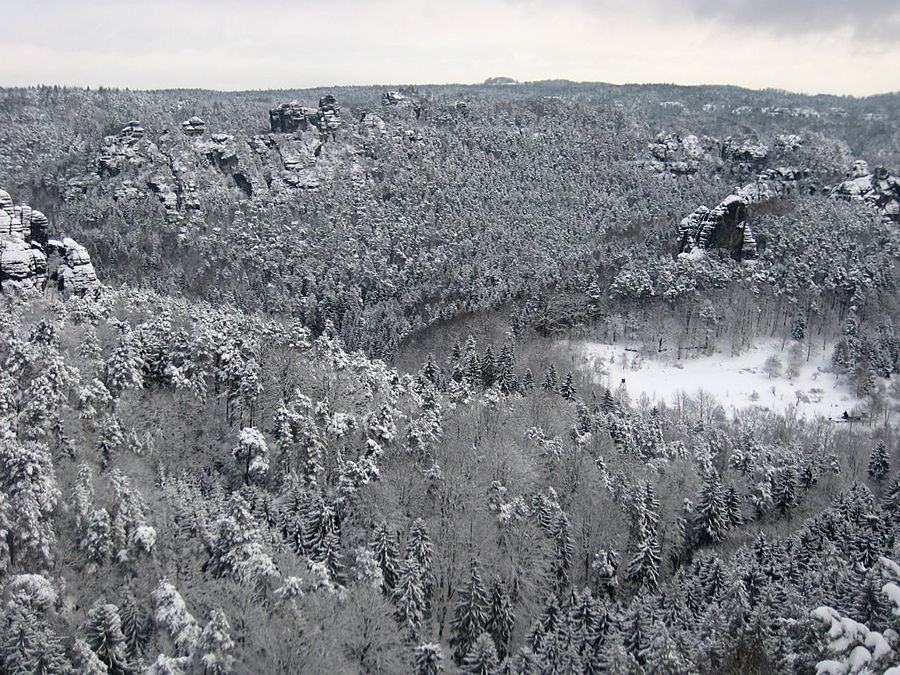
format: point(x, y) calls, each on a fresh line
point(736, 382)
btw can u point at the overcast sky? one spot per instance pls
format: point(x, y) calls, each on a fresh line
point(814, 46)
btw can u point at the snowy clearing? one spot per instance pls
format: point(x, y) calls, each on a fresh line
point(736, 382)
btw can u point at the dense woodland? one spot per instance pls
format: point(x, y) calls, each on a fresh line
point(311, 422)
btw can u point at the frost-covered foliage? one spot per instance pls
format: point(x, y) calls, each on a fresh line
point(481, 499)
point(856, 647)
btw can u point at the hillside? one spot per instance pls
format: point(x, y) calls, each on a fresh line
point(302, 381)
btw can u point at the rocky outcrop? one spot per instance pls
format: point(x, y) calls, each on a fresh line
point(28, 258)
point(193, 127)
point(746, 154)
point(879, 189)
point(682, 155)
point(75, 272)
point(126, 147)
point(725, 226)
point(404, 100)
point(291, 117)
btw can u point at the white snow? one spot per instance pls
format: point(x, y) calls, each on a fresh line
point(736, 382)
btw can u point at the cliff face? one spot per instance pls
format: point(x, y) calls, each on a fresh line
point(726, 226)
point(28, 259)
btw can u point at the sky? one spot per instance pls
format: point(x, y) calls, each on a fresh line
point(811, 46)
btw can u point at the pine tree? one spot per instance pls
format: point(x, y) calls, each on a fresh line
point(879, 463)
point(482, 657)
point(527, 381)
point(488, 368)
point(28, 482)
point(785, 493)
point(409, 597)
point(215, 645)
point(710, 517)
point(136, 626)
point(28, 646)
point(470, 615)
point(428, 659)
point(384, 547)
point(567, 390)
point(420, 548)
point(500, 618)
point(172, 614)
point(550, 383)
point(105, 637)
point(124, 368)
point(252, 454)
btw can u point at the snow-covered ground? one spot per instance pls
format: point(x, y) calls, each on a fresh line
point(736, 382)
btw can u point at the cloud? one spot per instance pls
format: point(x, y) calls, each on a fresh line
point(866, 20)
point(288, 44)
point(863, 20)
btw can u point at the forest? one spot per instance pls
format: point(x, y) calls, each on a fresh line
point(311, 412)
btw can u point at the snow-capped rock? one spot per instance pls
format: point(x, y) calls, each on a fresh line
point(291, 117)
point(26, 252)
point(75, 272)
point(879, 189)
point(194, 126)
point(725, 225)
point(21, 264)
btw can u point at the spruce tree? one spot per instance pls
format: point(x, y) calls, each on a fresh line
point(136, 626)
point(420, 548)
point(482, 657)
point(28, 646)
point(428, 659)
point(500, 618)
point(488, 368)
point(470, 615)
point(384, 547)
point(563, 551)
point(527, 381)
point(409, 597)
point(879, 463)
point(105, 637)
point(567, 390)
point(785, 493)
point(710, 516)
point(550, 383)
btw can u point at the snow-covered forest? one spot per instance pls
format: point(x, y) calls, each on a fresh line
point(307, 381)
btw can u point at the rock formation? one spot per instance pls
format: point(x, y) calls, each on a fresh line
point(193, 127)
point(680, 155)
point(75, 272)
point(879, 189)
point(290, 117)
point(24, 251)
point(725, 226)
